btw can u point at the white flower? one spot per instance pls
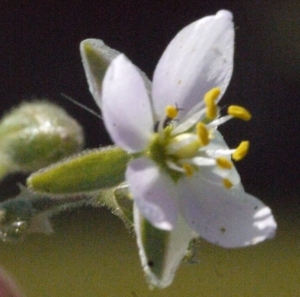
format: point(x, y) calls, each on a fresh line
point(182, 165)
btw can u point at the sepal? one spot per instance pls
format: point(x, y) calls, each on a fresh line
point(96, 57)
point(89, 171)
point(123, 204)
point(161, 252)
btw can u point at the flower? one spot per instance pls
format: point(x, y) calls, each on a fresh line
point(181, 164)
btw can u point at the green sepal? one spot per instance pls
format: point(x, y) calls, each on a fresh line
point(96, 57)
point(123, 204)
point(155, 242)
point(88, 171)
point(161, 251)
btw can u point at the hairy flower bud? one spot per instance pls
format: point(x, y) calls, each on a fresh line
point(35, 135)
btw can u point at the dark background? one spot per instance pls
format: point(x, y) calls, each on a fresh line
point(39, 57)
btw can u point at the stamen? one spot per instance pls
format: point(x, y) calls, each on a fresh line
point(224, 163)
point(202, 133)
point(241, 151)
point(239, 112)
point(171, 112)
point(209, 99)
point(227, 183)
point(188, 169)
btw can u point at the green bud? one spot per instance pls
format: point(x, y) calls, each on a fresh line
point(86, 172)
point(35, 135)
point(161, 252)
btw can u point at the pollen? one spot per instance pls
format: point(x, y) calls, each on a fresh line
point(210, 102)
point(224, 163)
point(171, 111)
point(239, 112)
point(241, 151)
point(202, 133)
point(188, 169)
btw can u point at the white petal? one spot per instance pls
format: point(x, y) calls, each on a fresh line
point(231, 174)
point(217, 146)
point(224, 217)
point(203, 161)
point(153, 192)
point(188, 122)
point(199, 58)
point(126, 106)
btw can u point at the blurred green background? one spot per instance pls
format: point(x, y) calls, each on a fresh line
point(91, 252)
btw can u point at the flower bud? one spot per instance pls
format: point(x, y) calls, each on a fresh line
point(35, 135)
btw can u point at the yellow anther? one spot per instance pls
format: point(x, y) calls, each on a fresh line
point(211, 107)
point(203, 133)
point(241, 151)
point(188, 168)
point(227, 183)
point(239, 112)
point(171, 111)
point(224, 163)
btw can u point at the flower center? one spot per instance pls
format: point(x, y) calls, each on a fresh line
point(183, 147)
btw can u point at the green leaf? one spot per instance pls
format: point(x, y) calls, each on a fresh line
point(89, 171)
